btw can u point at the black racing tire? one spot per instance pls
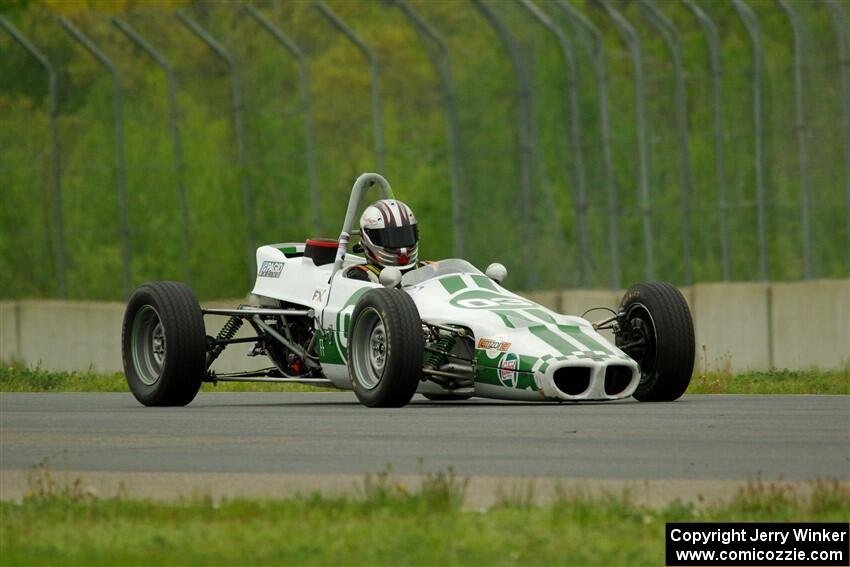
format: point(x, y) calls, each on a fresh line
point(659, 314)
point(163, 344)
point(447, 397)
point(385, 348)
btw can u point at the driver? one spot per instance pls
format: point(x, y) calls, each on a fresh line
point(390, 237)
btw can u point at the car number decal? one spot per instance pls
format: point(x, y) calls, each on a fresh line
point(483, 299)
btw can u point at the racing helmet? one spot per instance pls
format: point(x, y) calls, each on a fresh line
point(389, 234)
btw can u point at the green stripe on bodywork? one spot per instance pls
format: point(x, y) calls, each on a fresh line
point(485, 282)
point(513, 318)
point(505, 317)
point(585, 339)
point(328, 347)
point(487, 375)
point(453, 284)
point(551, 338)
point(526, 363)
point(542, 315)
point(288, 250)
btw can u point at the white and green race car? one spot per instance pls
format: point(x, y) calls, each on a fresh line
point(445, 330)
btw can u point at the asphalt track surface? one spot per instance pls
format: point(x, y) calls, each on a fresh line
point(699, 437)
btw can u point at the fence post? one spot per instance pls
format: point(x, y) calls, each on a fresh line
point(346, 30)
point(236, 97)
point(802, 134)
point(526, 139)
point(174, 116)
point(632, 40)
point(674, 44)
point(119, 144)
point(751, 24)
point(598, 56)
point(443, 67)
point(292, 48)
point(572, 109)
point(841, 36)
point(56, 155)
point(710, 31)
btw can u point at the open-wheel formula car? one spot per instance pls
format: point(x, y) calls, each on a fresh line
point(445, 330)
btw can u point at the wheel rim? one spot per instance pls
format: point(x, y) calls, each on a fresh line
point(369, 348)
point(642, 325)
point(147, 345)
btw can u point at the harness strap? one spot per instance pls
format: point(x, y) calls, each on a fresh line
point(377, 271)
point(368, 268)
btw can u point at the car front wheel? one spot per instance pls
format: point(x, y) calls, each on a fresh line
point(657, 331)
point(386, 348)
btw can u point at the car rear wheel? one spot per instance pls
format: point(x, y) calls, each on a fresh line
point(385, 348)
point(163, 343)
point(657, 331)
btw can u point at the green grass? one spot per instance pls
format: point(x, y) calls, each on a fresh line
point(381, 524)
point(773, 382)
point(18, 378)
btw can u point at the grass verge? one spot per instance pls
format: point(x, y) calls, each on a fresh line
point(18, 378)
point(773, 382)
point(382, 524)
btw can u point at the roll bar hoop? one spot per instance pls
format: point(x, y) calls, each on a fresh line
point(363, 183)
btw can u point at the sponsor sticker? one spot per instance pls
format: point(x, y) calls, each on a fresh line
point(507, 370)
point(493, 347)
point(270, 269)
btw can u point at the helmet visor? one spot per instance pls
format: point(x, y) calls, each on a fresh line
point(394, 236)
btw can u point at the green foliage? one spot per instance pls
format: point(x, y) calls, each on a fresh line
point(19, 378)
point(16, 377)
point(417, 154)
point(389, 525)
point(834, 382)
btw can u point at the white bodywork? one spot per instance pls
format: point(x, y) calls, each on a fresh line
point(523, 351)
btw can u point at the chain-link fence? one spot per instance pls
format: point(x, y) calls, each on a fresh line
point(583, 144)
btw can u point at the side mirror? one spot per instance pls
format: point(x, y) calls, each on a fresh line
point(496, 272)
point(390, 277)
